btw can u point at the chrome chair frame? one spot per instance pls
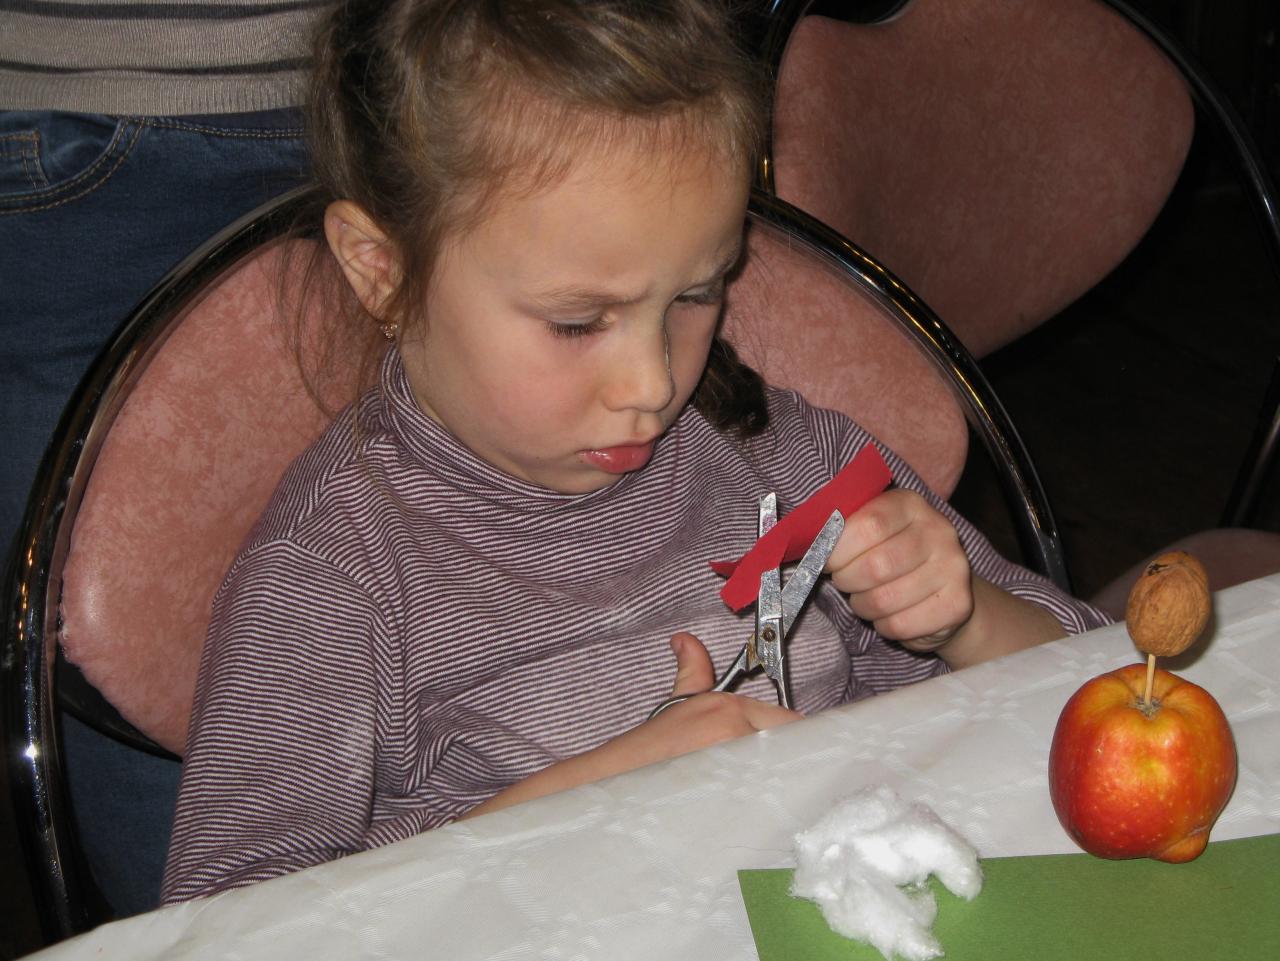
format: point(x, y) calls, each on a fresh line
point(35, 685)
point(770, 25)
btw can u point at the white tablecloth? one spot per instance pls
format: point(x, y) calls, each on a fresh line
point(644, 865)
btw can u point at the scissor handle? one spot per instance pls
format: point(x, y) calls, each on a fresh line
point(671, 702)
point(741, 665)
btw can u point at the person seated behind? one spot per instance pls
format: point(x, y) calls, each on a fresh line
point(468, 591)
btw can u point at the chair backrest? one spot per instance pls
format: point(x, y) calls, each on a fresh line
point(185, 467)
point(1000, 156)
point(806, 325)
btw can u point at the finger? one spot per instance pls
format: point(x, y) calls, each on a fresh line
point(919, 616)
point(928, 539)
point(901, 555)
point(762, 715)
point(931, 642)
point(878, 520)
point(694, 671)
point(895, 594)
point(714, 716)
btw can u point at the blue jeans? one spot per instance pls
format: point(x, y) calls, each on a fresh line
point(94, 211)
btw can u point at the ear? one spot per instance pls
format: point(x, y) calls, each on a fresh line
point(367, 257)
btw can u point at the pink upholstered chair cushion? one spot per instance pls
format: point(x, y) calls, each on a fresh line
point(803, 326)
point(185, 470)
point(1000, 156)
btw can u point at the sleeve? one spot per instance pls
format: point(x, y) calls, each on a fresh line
point(279, 772)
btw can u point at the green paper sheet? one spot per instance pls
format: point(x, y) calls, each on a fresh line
point(1074, 907)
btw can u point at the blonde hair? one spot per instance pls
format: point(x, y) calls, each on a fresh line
point(424, 111)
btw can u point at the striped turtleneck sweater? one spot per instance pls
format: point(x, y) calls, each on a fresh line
point(409, 630)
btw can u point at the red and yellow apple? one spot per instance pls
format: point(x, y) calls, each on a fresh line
point(1134, 779)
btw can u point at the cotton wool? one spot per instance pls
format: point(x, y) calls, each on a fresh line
point(866, 862)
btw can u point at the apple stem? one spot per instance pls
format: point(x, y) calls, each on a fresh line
point(1151, 679)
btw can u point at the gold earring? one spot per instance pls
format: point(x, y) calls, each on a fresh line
point(389, 330)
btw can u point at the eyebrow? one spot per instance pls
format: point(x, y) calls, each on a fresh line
point(580, 298)
point(573, 297)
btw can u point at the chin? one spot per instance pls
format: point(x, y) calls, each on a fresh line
point(583, 484)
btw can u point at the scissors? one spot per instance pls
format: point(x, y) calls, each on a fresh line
point(776, 608)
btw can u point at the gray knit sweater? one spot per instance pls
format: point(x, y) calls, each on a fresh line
point(167, 58)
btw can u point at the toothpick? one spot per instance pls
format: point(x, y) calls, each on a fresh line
point(1151, 678)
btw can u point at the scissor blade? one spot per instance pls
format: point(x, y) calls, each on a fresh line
point(807, 572)
point(767, 514)
point(769, 600)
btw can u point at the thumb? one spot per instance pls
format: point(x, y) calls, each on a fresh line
point(694, 673)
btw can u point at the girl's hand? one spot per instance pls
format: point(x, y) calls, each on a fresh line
point(905, 571)
point(902, 565)
point(705, 719)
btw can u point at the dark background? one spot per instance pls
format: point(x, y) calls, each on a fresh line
point(1137, 403)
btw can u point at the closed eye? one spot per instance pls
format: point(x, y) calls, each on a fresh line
point(594, 326)
point(704, 298)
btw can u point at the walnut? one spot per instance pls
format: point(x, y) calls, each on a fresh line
point(1169, 605)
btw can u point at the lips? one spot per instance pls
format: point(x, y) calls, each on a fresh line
point(621, 459)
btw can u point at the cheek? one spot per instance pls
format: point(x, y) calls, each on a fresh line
point(524, 398)
point(526, 385)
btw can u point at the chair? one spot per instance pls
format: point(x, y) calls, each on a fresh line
point(198, 402)
point(1002, 157)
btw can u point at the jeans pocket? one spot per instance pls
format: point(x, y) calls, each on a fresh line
point(49, 158)
point(20, 167)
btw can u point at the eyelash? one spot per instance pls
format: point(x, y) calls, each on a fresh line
point(707, 298)
point(577, 330)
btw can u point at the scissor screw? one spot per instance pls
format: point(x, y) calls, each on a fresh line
point(769, 635)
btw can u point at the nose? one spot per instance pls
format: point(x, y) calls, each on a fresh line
point(640, 375)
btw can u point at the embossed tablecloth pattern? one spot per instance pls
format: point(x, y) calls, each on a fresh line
point(645, 865)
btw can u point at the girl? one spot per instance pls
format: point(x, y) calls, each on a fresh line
point(467, 592)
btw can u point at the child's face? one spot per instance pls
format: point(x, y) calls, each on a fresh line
point(565, 333)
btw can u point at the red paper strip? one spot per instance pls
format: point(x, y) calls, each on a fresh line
point(857, 482)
